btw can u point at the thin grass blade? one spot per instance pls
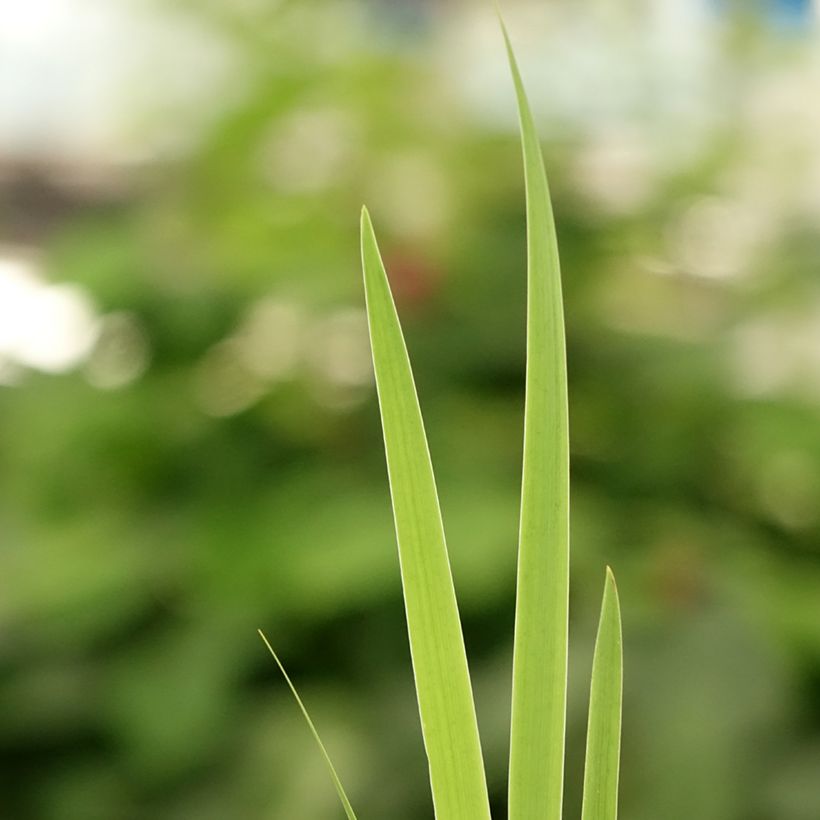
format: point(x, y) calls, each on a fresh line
point(604, 730)
point(443, 688)
point(330, 767)
point(540, 653)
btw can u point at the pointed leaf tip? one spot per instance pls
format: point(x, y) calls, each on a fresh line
point(442, 677)
point(600, 801)
point(337, 783)
point(541, 623)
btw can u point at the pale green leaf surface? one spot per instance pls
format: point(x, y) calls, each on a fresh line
point(330, 767)
point(540, 653)
point(604, 729)
point(437, 646)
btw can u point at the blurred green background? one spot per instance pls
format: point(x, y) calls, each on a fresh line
point(189, 438)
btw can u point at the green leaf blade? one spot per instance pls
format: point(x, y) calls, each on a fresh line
point(337, 783)
point(541, 622)
point(443, 687)
point(605, 704)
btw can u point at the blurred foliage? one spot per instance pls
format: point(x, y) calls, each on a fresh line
point(155, 513)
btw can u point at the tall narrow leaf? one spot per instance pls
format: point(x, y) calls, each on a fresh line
point(604, 730)
point(328, 762)
point(540, 654)
point(437, 646)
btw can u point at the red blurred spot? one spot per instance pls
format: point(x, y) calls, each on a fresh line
point(413, 280)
